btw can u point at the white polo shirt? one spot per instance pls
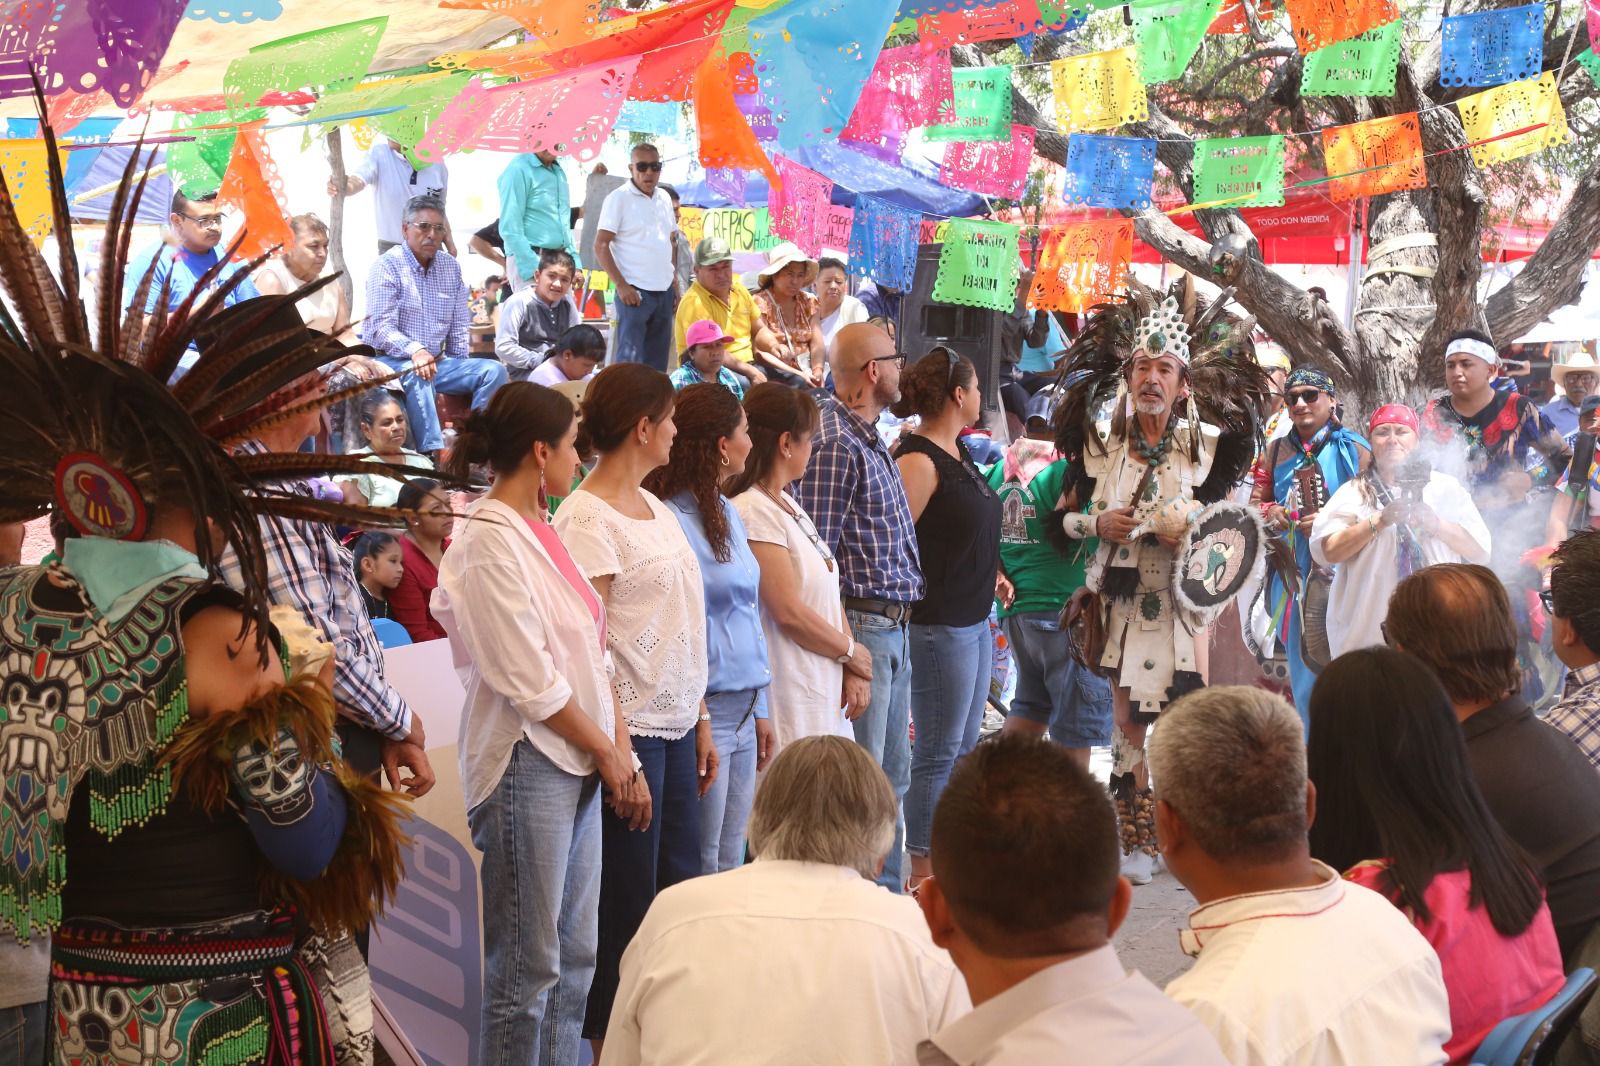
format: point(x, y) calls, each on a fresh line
point(643, 226)
point(394, 181)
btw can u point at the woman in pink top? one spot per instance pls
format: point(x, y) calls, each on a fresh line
point(1399, 810)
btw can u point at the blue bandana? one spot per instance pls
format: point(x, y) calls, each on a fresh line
point(1311, 376)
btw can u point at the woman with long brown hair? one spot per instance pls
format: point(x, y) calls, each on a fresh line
point(712, 445)
point(632, 549)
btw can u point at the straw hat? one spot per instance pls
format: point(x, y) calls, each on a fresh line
point(783, 255)
point(1581, 361)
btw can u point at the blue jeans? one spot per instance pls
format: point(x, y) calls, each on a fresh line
point(22, 1031)
point(644, 333)
point(725, 809)
point(950, 667)
point(1053, 688)
point(539, 832)
point(637, 864)
point(455, 376)
point(884, 727)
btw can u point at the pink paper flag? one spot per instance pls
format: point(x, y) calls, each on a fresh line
point(799, 205)
point(993, 168)
point(571, 113)
point(1593, 9)
point(836, 231)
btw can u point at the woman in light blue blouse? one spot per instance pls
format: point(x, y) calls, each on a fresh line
point(712, 444)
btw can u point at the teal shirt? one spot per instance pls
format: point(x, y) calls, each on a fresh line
point(535, 210)
point(687, 375)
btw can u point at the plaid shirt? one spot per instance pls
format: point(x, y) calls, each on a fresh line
point(409, 308)
point(309, 569)
point(1578, 713)
point(854, 494)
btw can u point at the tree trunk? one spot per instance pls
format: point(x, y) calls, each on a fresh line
point(336, 216)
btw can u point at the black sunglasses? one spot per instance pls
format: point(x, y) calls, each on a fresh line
point(646, 168)
point(1548, 598)
point(1305, 396)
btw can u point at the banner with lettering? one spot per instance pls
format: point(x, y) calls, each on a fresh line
point(836, 228)
point(1169, 32)
point(1098, 91)
point(1319, 23)
point(978, 265)
point(799, 205)
point(1081, 264)
point(1246, 171)
point(1105, 171)
point(1371, 158)
point(1492, 47)
point(993, 168)
point(883, 242)
point(981, 105)
point(1361, 66)
point(994, 20)
point(1532, 105)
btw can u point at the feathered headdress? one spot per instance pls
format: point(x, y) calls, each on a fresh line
point(91, 426)
point(1227, 388)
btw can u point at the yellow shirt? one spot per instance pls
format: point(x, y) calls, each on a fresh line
point(737, 316)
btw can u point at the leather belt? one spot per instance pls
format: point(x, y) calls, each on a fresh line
point(895, 612)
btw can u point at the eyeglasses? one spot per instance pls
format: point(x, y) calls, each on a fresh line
point(206, 221)
point(647, 168)
point(429, 228)
point(898, 359)
point(1383, 630)
point(1548, 598)
point(1305, 396)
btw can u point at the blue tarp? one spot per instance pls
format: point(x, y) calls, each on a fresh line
point(106, 169)
point(911, 183)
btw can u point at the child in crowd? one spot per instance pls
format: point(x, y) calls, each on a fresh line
point(379, 568)
point(705, 354)
point(574, 357)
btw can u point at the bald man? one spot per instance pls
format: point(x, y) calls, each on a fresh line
point(854, 494)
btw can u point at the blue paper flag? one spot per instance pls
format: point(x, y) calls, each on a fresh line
point(1492, 47)
point(814, 59)
point(650, 116)
point(1104, 171)
point(883, 242)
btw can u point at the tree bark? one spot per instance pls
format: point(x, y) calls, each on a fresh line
point(336, 216)
point(1553, 276)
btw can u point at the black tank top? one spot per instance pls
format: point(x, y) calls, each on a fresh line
point(958, 538)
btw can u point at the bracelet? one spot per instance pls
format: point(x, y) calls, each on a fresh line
point(705, 717)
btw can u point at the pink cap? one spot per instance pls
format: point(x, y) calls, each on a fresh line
point(705, 331)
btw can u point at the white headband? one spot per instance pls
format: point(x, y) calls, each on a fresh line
point(1469, 346)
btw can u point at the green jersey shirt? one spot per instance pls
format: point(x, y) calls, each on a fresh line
point(1044, 578)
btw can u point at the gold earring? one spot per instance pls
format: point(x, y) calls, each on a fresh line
point(786, 453)
point(724, 460)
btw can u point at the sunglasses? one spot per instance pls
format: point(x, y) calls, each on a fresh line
point(1548, 598)
point(647, 168)
point(1305, 396)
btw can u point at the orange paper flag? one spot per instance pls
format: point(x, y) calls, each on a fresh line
point(1319, 23)
point(253, 187)
point(1081, 264)
point(726, 139)
point(1374, 157)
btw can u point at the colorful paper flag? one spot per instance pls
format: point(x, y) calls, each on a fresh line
point(1104, 171)
point(910, 86)
point(1169, 33)
point(1361, 66)
point(1517, 106)
point(981, 106)
point(817, 57)
point(115, 46)
point(726, 139)
point(1082, 264)
point(836, 230)
point(196, 167)
point(1380, 155)
point(799, 205)
point(883, 242)
point(669, 43)
point(1590, 62)
point(26, 166)
point(571, 113)
point(978, 265)
point(420, 98)
point(1492, 47)
point(649, 116)
point(1592, 13)
point(233, 10)
point(1247, 171)
point(979, 21)
point(993, 168)
point(1319, 23)
point(1231, 19)
point(728, 182)
point(253, 187)
point(331, 59)
point(1098, 91)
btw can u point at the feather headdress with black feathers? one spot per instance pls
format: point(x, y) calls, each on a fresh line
point(76, 388)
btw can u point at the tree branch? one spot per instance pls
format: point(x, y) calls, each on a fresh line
point(1553, 275)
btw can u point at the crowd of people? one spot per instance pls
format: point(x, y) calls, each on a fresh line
point(719, 588)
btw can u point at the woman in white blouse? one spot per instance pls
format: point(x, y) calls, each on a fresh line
point(1385, 525)
point(821, 678)
point(539, 731)
point(631, 547)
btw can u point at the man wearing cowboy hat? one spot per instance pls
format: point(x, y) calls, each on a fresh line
point(1576, 378)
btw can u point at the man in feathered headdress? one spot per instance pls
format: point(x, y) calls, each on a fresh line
point(1154, 434)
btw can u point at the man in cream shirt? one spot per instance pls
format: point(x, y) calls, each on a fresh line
point(797, 957)
point(1294, 965)
point(1026, 894)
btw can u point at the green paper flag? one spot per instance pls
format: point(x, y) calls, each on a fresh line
point(978, 265)
point(1591, 63)
point(982, 106)
point(1169, 33)
point(332, 58)
point(422, 98)
point(1229, 167)
point(197, 166)
point(1361, 66)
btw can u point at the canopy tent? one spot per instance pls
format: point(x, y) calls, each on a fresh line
point(106, 170)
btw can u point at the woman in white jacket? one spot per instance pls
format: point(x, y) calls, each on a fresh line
point(539, 732)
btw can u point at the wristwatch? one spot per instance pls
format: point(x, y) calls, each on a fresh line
point(849, 652)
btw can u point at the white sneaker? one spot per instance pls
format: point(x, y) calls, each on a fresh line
point(1138, 867)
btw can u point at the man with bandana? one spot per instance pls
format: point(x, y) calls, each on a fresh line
point(1296, 475)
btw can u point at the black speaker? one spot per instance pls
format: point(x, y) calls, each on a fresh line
point(970, 331)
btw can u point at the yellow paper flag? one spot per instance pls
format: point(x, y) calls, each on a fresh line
point(26, 167)
point(1514, 106)
point(1099, 91)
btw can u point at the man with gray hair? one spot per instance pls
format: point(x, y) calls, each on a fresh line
point(798, 954)
point(1294, 965)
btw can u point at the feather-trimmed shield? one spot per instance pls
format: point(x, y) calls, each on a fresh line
point(1222, 552)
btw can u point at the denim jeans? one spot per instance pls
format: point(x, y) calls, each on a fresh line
point(725, 809)
point(884, 727)
point(644, 333)
point(950, 667)
point(539, 832)
point(1053, 688)
point(22, 1032)
point(639, 863)
point(454, 376)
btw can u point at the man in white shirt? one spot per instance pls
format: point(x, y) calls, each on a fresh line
point(1025, 894)
point(797, 956)
point(395, 180)
point(1294, 965)
point(634, 246)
